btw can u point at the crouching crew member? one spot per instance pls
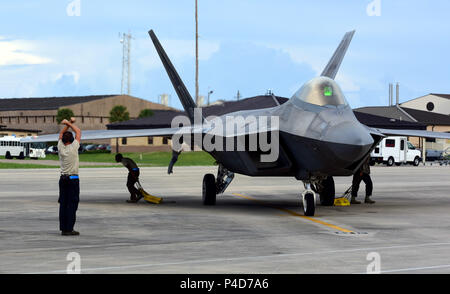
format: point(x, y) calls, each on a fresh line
point(133, 177)
point(69, 183)
point(363, 174)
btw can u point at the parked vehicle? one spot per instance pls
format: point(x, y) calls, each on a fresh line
point(102, 147)
point(10, 147)
point(91, 147)
point(433, 155)
point(52, 150)
point(37, 150)
point(395, 150)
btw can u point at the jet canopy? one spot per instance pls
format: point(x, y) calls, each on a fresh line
point(320, 91)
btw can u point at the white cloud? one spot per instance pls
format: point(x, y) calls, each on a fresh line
point(74, 74)
point(16, 52)
point(347, 83)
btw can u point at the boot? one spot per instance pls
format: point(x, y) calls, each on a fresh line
point(368, 200)
point(354, 201)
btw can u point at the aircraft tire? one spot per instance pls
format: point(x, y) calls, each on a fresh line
point(309, 207)
point(209, 190)
point(328, 192)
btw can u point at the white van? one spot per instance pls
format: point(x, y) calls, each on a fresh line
point(395, 150)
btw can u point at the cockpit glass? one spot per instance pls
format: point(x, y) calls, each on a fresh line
point(321, 91)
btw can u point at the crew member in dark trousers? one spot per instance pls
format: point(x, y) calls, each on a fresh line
point(176, 151)
point(173, 160)
point(69, 183)
point(133, 177)
point(363, 174)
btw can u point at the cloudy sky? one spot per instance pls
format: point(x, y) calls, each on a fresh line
point(245, 45)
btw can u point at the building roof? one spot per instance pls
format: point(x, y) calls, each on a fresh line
point(395, 112)
point(383, 122)
point(5, 128)
point(428, 117)
point(159, 119)
point(45, 103)
point(446, 96)
point(163, 118)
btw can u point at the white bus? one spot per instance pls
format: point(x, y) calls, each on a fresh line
point(10, 147)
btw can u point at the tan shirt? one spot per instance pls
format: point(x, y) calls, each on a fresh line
point(68, 157)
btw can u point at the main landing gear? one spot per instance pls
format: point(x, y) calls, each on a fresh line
point(212, 186)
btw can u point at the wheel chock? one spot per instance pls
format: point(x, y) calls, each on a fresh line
point(150, 198)
point(342, 201)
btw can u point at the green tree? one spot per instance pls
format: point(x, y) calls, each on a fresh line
point(64, 113)
point(145, 113)
point(119, 113)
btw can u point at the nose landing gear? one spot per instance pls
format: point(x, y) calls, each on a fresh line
point(309, 200)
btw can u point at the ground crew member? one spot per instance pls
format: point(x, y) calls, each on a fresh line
point(173, 161)
point(363, 174)
point(175, 153)
point(69, 183)
point(133, 177)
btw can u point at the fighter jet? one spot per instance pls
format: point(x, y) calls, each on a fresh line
point(314, 136)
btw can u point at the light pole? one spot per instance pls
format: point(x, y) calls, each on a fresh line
point(209, 93)
point(196, 52)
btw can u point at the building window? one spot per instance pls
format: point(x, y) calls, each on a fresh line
point(26, 119)
point(124, 141)
point(44, 119)
point(430, 106)
point(165, 141)
point(150, 140)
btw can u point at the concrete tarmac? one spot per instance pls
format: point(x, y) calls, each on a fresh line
point(257, 226)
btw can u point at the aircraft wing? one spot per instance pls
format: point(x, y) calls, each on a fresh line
point(412, 133)
point(110, 134)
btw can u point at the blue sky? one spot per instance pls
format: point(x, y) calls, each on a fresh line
point(250, 46)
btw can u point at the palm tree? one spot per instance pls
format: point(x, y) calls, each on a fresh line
point(145, 113)
point(119, 113)
point(64, 113)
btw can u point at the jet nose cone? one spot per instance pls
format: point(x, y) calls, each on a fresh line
point(352, 140)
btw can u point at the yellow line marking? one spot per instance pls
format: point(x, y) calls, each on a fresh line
point(293, 213)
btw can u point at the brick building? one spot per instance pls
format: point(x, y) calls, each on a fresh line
point(91, 112)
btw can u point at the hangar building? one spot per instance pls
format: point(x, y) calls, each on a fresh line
point(91, 112)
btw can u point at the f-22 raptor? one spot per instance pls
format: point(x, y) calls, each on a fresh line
point(317, 136)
